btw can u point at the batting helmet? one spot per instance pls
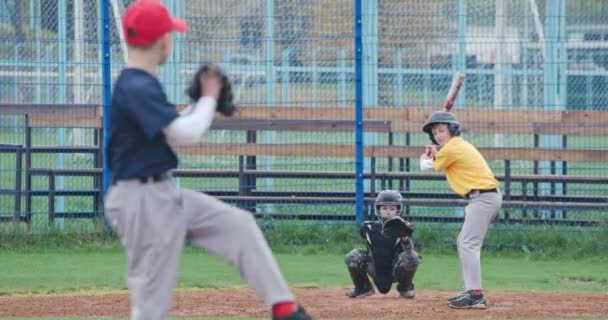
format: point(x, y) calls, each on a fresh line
point(388, 197)
point(442, 117)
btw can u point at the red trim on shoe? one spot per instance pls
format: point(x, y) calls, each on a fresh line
point(283, 309)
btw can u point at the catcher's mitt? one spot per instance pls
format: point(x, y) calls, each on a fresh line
point(397, 228)
point(225, 102)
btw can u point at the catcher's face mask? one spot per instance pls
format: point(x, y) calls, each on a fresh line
point(388, 211)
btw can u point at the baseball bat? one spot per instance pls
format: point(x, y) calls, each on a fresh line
point(457, 82)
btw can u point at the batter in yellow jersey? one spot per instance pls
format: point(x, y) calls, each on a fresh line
point(469, 175)
point(465, 167)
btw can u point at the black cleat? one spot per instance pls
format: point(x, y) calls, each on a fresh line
point(353, 293)
point(469, 300)
point(456, 297)
point(299, 314)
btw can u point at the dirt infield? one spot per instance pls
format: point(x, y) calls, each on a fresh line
point(323, 303)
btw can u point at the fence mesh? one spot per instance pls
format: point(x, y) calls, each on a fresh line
point(534, 103)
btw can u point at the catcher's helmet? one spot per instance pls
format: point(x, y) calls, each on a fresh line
point(442, 117)
point(388, 197)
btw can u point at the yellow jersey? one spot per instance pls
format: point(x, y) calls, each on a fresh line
point(466, 169)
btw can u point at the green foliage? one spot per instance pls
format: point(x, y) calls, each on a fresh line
point(19, 238)
point(310, 239)
point(337, 238)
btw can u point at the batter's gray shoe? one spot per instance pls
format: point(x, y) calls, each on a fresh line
point(406, 291)
point(354, 292)
point(299, 314)
point(456, 297)
point(469, 300)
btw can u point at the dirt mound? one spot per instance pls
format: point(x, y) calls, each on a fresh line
point(322, 303)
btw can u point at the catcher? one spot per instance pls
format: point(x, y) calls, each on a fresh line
point(390, 256)
point(152, 216)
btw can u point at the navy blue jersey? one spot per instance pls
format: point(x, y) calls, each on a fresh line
point(139, 112)
point(382, 250)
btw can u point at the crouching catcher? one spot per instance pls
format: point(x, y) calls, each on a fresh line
point(390, 256)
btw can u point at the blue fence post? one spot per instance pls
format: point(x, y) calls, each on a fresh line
point(461, 64)
point(270, 83)
point(369, 35)
point(551, 86)
point(562, 66)
point(48, 54)
point(16, 57)
point(462, 54)
point(427, 80)
point(106, 72)
point(270, 76)
point(63, 60)
point(342, 74)
point(37, 28)
point(524, 75)
point(398, 93)
point(315, 78)
point(359, 205)
point(176, 75)
point(285, 76)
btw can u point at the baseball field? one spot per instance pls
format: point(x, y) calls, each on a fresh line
point(89, 282)
point(331, 98)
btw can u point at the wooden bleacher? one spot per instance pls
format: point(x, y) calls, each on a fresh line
point(388, 121)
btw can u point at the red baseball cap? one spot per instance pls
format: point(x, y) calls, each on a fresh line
point(146, 21)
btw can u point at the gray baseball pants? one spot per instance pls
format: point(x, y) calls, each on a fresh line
point(154, 220)
point(481, 211)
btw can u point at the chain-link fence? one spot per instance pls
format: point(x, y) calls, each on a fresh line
point(50, 57)
point(534, 103)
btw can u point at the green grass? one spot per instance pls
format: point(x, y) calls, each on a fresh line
point(50, 271)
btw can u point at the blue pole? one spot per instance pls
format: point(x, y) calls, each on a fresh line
point(285, 77)
point(369, 35)
point(427, 79)
point(315, 78)
point(562, 65)
point(398, 93)
point(359, 204)
point(37, 32)
point(33, 16)
point(551, 84)
point(269, 52)
point(342, 78)
point(62, 34)
point(48, 54)
point(16, 57)
point(270, 82)
point(106, 65)
point(524, 57)
point(563, 86)
point(63, 61)
point(177, 55)
point(461, 63)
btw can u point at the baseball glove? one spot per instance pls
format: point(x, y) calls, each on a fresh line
point(397, 228)
point(225, 102)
